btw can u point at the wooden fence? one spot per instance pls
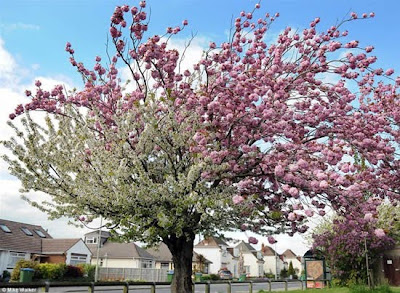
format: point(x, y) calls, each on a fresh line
point(131, 274)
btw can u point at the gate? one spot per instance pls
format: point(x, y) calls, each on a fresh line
point(391, 265)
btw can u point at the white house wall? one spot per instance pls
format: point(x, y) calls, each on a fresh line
point(5, 258)
point(78, 248)
point(119, 262)
point(251, 260)
point(270, 265)
point(213, 254)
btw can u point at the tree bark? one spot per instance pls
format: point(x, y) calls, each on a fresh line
point(182, 254)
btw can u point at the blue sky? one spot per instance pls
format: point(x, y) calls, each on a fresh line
point(33, 34)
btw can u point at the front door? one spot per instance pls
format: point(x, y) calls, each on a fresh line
point(391, 267)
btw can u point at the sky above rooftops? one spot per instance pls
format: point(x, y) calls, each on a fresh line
point(33, 34)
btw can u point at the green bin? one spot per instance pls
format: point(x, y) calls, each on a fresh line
point(26, 275)
point(170, 275)
point(198, 277)
point(242, 277)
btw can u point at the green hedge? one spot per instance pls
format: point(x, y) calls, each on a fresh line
point(54, 271)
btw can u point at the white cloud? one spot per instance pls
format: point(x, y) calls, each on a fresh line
point(19, 26)
point(12, 207)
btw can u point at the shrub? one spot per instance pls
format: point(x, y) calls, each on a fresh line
point(73, 272)
point(210, 277)
point(270, 275)
point(52, 271)
point(5, 277)
point(24, 264)
point(284, 273)
point(88, 270)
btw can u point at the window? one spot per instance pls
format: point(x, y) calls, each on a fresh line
point(14, 258)
point(165, 265)
point(5, 228)
point(92, 240)
point(77, 259)
point(26, 231)
point(40, 233)
point(247, 269)
point(147, 264)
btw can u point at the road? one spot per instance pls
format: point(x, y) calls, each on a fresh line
point(200, 288)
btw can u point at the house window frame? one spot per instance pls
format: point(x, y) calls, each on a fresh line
point(246, 269)
point(146, 264)
point(164, 265)
point(5, 228)
point(77, 259)
point(39, 233)
point(91, 240)
point(26, 231)
point(14, 257)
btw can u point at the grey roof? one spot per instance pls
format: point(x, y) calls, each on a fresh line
point(211, 242)
point(18, 241)
point(104, 234)
point(162, 253)
point(245, 247)
point(120, 250)
point(58, 246)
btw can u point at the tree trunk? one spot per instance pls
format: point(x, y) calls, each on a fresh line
point(182, 254)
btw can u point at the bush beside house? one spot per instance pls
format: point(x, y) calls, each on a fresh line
point(51, 271)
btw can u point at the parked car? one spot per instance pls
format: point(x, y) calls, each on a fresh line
point(225, 275)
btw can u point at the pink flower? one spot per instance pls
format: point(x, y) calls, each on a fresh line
point(372, 14)
point(293, 191)
point(309, 213)
point(292, 217)
point(257, 6)
point(38, 83)
point(279, 171)
point(379, 232)
point(271, 240)
point(368, 216)
point(369, 49)
point(185, 22)
point(390, 71)
point(323, 184)
point(253, 240)
point(237, 199)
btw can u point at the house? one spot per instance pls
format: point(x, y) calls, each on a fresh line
point(163, 259)
point(217, 251)
point(32, 242)
point(273, 263)
point(68, 251)
point(253, 263)
point(19, 241)
point(290, 256)
point(115, 254)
